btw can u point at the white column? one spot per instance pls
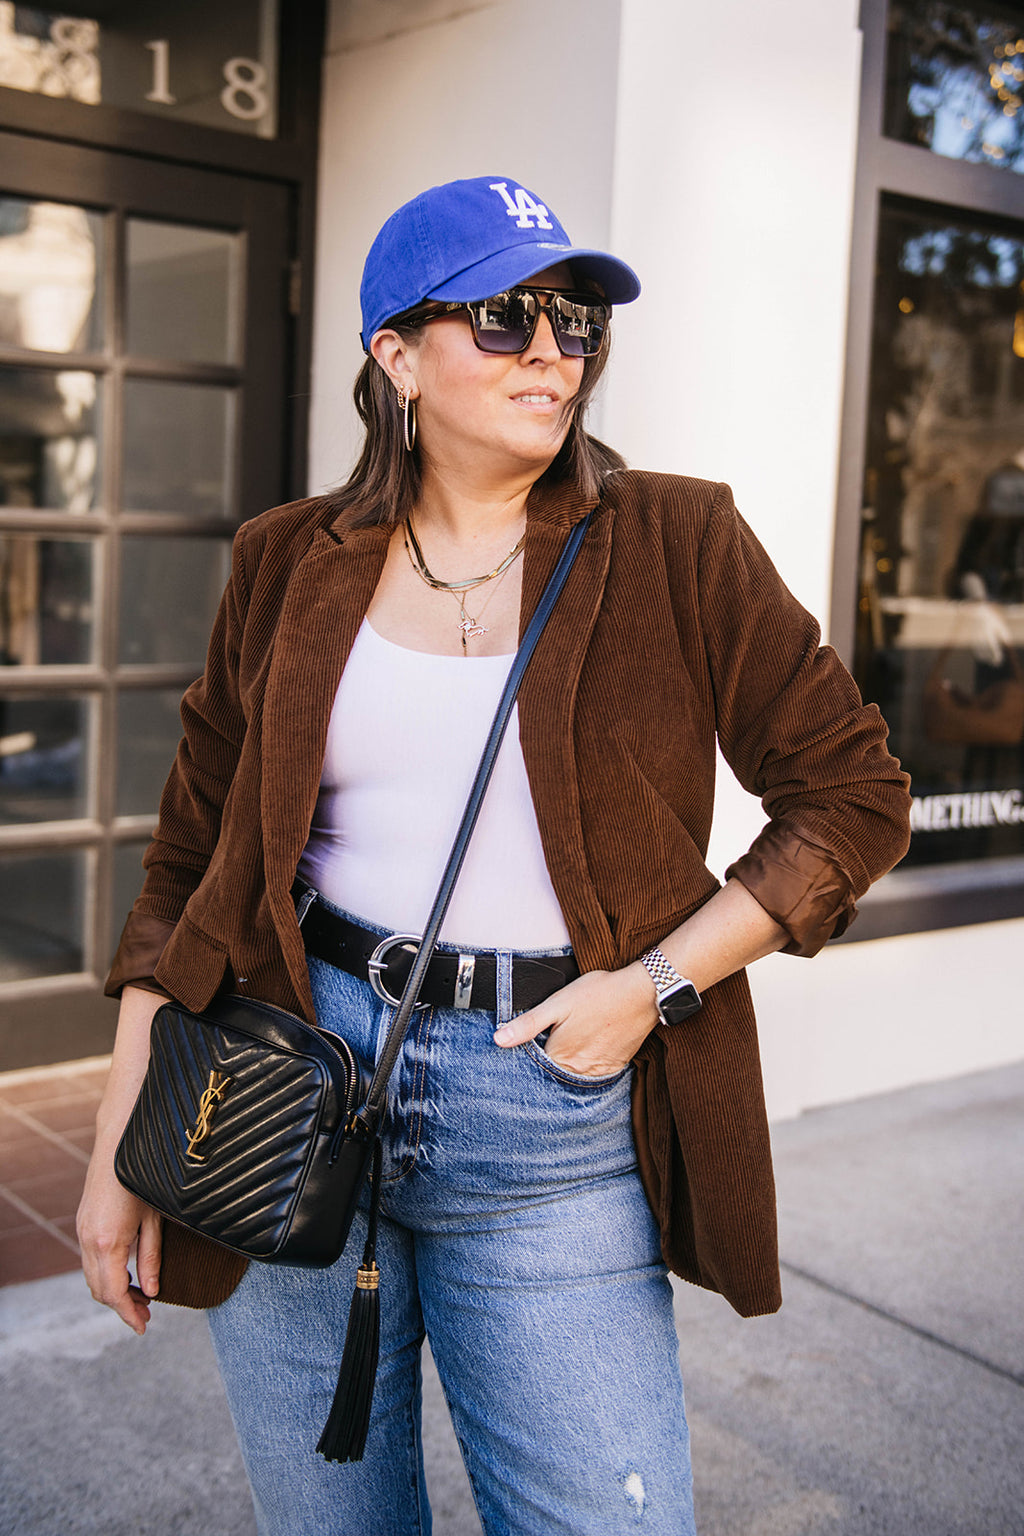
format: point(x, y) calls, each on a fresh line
point(734, 179)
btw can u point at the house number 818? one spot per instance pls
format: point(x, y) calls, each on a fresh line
point(244, 94)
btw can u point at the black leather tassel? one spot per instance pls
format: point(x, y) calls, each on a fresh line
point(344, 1435)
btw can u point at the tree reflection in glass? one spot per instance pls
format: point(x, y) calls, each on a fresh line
point(955, 80)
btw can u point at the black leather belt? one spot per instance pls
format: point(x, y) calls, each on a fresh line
point(452, 980)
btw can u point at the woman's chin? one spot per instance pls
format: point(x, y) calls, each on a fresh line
point(515, 453)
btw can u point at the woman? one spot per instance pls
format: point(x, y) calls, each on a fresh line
point(590, 1112)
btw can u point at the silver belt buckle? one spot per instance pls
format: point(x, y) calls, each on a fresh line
point(377, 965)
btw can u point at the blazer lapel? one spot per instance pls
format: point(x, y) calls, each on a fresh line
point(547, 701)
point(325, 603)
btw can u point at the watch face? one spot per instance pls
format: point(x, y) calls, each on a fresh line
point(680, 1003)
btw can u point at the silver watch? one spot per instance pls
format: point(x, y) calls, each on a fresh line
point(677, 999)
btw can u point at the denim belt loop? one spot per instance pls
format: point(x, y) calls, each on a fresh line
point(503, 985)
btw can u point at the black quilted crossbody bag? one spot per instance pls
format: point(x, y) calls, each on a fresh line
point(238, 1129)
point(258, 1130)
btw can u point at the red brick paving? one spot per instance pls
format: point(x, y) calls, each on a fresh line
point(11, 1218)
point(46, 1131)
point(66, 1115)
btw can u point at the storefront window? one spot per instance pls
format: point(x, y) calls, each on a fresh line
point(178, 440)
point(43, 904)
point(51, 255)
point(184, 576)
point(148, 732)
point(955, 80)
point(940, 631)
point(182, 292)
point(47, 609)
point(126, 882)
point(50, 442)
point(44, 757)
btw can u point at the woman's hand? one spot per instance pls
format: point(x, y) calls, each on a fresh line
point(599, 1021)
point(596, 1024)
point(114, 1225)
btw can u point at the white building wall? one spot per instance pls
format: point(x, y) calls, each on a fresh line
point(734, 188)
point(713, 148)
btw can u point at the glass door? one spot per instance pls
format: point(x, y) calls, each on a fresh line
point(143, 354)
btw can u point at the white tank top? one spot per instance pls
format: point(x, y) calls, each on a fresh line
point(405, 736)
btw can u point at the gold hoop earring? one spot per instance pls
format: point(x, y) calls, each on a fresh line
point(409, 423)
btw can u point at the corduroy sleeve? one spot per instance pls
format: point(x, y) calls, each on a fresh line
point(794, 730)
point(213, 723)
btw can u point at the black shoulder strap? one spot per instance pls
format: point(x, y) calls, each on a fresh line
point(370, 1113)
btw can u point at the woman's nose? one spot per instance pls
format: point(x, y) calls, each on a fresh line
point(543, 346)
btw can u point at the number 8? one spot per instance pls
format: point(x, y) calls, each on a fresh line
point(240, 84)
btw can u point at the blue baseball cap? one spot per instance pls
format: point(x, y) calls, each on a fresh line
point(469, 239)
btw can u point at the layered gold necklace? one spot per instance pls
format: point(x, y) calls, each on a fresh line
point(469, 627)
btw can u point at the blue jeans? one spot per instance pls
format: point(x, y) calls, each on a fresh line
point(515, 1234)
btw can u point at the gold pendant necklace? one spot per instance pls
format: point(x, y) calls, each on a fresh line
point(470, 628)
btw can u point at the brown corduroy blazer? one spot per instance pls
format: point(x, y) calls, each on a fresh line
point(674, 627)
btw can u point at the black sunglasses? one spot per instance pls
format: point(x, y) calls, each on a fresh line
point(506, 321)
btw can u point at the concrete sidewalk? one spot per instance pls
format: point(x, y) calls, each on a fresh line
point(886, 1399)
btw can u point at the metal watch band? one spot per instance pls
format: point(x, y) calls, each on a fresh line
point(677, 998)
point(661, 970)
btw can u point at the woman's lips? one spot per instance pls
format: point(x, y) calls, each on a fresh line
point(536, 398)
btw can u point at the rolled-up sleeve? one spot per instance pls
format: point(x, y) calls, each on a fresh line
point(794, 730)
point(142, 943)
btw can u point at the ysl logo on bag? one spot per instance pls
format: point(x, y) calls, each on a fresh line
point(214, 1092)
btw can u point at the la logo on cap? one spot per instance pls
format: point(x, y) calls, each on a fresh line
point(522, 207)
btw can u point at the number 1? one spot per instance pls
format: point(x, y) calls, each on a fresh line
point(161, 91)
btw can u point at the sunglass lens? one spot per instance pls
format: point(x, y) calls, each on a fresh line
point(504, 323)
point(579, 326)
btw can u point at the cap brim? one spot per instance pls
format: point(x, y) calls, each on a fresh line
point(619, 283)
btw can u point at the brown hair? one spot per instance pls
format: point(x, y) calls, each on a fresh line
point(385, 483)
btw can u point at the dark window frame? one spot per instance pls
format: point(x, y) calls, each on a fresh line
point(52, 151)
point(922, 898)
point(31, 1027)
